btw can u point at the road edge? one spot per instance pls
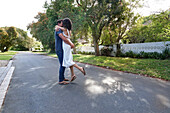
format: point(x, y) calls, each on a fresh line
point(4, 86)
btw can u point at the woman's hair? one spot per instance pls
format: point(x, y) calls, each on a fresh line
point(67, 24)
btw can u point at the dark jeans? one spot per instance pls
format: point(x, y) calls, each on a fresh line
point(62, 69)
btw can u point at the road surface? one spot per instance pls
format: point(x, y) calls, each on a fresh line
point(34, 88)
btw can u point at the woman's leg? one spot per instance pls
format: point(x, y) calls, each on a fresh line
point(72, 70)
point(80, 68)
point(73, 76)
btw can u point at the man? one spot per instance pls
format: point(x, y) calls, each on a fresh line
point(59, 51)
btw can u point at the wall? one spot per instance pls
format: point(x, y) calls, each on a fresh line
point(146, 47)
point(136, 47)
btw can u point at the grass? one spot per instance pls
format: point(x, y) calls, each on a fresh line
point(149, 67)
point(7, 55)
point(52, 54)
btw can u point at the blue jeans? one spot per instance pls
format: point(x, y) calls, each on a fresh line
point(62, 69)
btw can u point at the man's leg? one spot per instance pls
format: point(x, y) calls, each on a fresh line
point(62, 69)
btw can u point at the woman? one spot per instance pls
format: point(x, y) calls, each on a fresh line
point(68, 57)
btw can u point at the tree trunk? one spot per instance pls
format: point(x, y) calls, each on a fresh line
point(2, 49)
point(95, 41)
point(118, 50)
point(96, 47)
point(5, 50)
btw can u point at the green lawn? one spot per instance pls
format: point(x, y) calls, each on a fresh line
point(52, 54)
point(149, 67)
point(7, 55)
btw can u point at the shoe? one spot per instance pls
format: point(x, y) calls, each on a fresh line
point(84, 71)
point(66, 79)
point(63, 83)
point(73, 78)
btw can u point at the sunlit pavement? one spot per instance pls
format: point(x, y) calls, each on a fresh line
point(34, 88)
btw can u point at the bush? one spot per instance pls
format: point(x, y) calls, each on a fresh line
point(106, 51)
point(141, 54)
point(19, 48)
point(129, 54)
point(85, 53)
point(164, 55)
point(166, 52)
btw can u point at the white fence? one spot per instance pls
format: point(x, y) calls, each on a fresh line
point(136, 47)
point(87, 48)
point(146, 47)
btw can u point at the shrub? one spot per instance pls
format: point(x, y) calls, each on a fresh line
point(141, 54)
point(129, 54)
point(165, 54)
point(85, 53)
point(106, 51)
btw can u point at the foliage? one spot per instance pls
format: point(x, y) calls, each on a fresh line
point(118, 27)
point(164, 55)
point(23, 42)
point(85, 53)
point(106, 51)
point(41, 32)
point(100, 13)
point(80, 28)
point(8, 35)
point(107, 38)
point(153, 28)
point(88, 17)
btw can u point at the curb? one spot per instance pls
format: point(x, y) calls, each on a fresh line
point(4, 86)
point(7, 68)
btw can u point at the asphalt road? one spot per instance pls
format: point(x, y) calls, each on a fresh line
point(34, 89)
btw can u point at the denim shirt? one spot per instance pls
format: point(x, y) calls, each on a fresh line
point(58, 41)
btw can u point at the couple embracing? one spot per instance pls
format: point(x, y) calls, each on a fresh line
point(63, 46)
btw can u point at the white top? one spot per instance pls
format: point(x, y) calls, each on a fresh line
point(67, 56)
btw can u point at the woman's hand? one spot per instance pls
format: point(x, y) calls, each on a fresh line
point(57, 28)
point(72, 46)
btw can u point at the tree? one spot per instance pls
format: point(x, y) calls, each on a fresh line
point(23, 42)
point(108, 37)
point(3, 36)
point(118, 27)
point(41, 32)
point(137, 33)
point(152, 28)
point(159, 27)
point(80, 27)
point(99, 13)
point(8, 36)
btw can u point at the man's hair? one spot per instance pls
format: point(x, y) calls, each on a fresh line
point(67, 24)
point(59, 21)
